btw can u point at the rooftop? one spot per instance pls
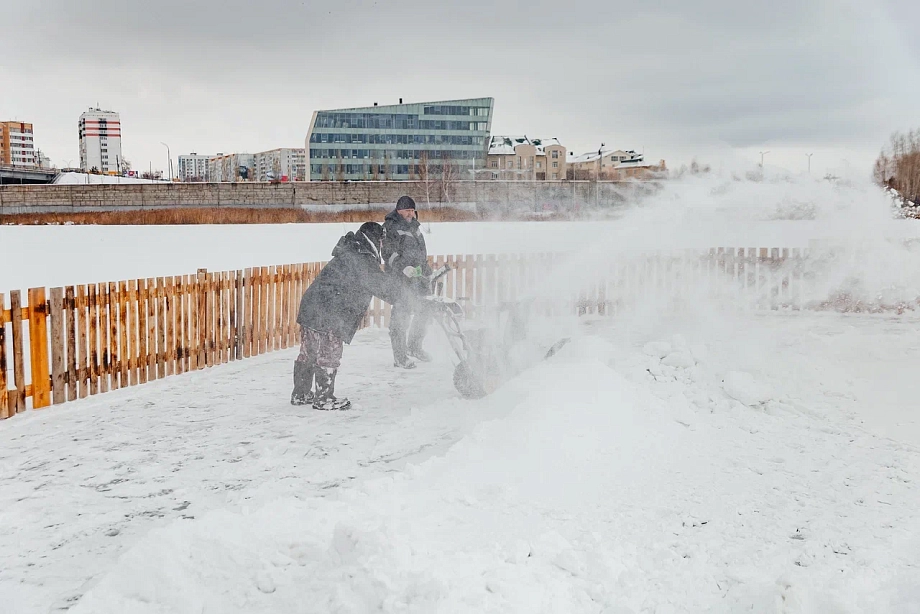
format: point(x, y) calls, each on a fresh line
point(504, 145)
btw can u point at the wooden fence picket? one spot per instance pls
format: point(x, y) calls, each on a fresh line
point(5, 411)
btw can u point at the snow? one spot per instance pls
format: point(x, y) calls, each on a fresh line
point(86, 178)
point(586, 483)
point(706, 459)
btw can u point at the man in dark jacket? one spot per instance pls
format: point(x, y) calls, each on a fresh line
point(331, 311)
point(405, 259)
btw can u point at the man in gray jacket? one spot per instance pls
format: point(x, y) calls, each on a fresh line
point(405, 258)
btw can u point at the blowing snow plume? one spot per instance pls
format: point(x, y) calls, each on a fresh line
point(714, 241)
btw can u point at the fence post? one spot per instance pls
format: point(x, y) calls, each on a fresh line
point(57, 345)
point(4, 395)
point(38, 346)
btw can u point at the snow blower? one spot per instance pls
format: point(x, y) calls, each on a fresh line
point(483, 347)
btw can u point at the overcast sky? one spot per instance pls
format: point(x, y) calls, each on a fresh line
point(711, 79)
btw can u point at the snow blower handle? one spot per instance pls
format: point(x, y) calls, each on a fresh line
point(435, 277)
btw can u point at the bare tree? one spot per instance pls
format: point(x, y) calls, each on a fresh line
point(898, 166)
point(423, 170)
point(386, 165)
point(325, 171)
point(375, 170)
point(339, 168)
point(449, 173)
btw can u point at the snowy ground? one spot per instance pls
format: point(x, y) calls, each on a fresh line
point(762, 463)
point(719, 461)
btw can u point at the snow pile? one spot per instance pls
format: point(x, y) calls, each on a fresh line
point(87, 178)
point(596, 487)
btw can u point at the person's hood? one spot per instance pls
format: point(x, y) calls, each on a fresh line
point(350, 242)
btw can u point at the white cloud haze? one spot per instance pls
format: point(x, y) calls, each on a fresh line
point(713, 79)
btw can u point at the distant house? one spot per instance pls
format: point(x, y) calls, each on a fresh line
point(612, 165)
point(519, 158)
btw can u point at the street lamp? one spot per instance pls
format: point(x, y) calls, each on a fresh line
point(809, 162)
point(169, 159)
point(762, 154)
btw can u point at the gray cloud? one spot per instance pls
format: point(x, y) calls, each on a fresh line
point(224, 75)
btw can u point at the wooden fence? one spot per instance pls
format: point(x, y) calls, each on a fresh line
point(75, 341)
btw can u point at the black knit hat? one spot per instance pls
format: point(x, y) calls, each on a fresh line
point(405, 202)
point(373, 231)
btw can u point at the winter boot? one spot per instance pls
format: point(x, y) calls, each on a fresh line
point(303, 384)
point(416, 351)
point(400, 354)
point(325, 387)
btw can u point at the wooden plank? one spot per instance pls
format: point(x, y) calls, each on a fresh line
point(102, 298)
point(141, 331)
point(169, 333)
point(267, 310)
point(256, 311)
point(93, 353)
point(236, 310)
point(129, 354)
point(223, 327)
point(228, 315)
point(161, 328)
point(124, 354)
point(151, 329)
point(70, 321)
point(38, 348)
point(58, 359)
point(285, 306)
point(82, 348)
point(275, 343)
point(202, 320)
point(246, 319)
point(266, 297)
point(5, 410)
point(181, 298)
point(212, 321)
point(192, 340)
point(114, 352)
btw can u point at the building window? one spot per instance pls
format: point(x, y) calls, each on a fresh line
point(510, 164)
point(539, 165)
point(494, 175)
point(555, 175)
point(555, 165)
point(555, 154)
point(494, 163)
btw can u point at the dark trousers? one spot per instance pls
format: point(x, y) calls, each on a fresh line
point(408, 324)
point(318, 349)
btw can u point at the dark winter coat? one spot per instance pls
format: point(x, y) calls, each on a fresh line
point(404, 245)
point(338, 298)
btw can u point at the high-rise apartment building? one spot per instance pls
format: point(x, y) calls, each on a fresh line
point(399, 142)
point(17, 146)
point(194, 167)
point(283, 164)
point(100, 141)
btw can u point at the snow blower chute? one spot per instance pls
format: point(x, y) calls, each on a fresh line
point(482, 347)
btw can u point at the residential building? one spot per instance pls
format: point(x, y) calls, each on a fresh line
point(399, 142)
point(519, 158)
point(231, 167)
point(17, 145)
point(194, 167)
point(100, 141)
point(611, 165)
point(283, 164)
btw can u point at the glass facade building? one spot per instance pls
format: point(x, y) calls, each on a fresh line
point(399, 142)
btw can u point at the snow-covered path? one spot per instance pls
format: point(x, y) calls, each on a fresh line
point(759, 463)
point(80, 482)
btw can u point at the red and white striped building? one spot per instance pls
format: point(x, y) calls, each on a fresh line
point(100, 141)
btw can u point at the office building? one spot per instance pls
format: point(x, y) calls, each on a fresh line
point(400, 141)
